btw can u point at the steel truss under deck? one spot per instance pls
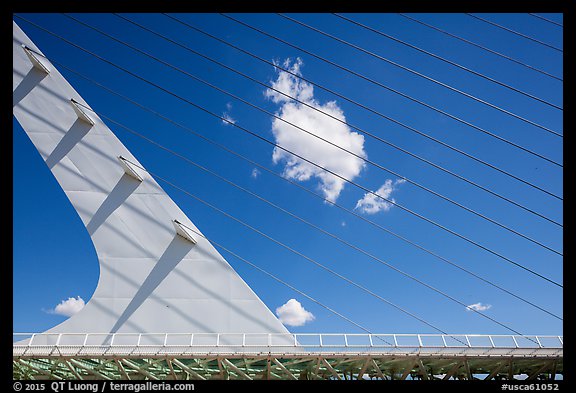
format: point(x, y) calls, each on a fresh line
point(287, 367)
point(203, 356)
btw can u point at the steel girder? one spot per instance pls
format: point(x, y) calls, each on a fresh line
point(317, 366)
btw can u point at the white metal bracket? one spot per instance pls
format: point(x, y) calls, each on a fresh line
point(80, 112)
point(184, 231)
point(37, 62)
point(131, 169)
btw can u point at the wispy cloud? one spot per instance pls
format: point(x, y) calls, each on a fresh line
point(226, 115)
point(293, 314)
point(68, 307)
point(308, 146)
point(478, 307)
point(255, 173)
point(371, 204)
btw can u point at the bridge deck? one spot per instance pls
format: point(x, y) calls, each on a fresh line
point(267, 356)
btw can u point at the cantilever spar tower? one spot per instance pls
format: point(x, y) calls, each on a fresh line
point(157, 272)
point(169, 306)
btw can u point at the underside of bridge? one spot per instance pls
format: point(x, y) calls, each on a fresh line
point(287, 367)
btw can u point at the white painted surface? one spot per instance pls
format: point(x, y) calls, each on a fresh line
point(151, 279)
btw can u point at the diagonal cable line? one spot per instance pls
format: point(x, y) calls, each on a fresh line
point(395, 39)
point(329, 142)
point(261, 270)
point(244, 129)
point(546, 19)
point(321, 266)
point(312, 260)
point(331, 271)
point(272, 276)
point(277, 207)
point(294, 251)
point(353, 126)
point(428, 78)
point(360, 105)
point(372, 80)
point(268, 170)
point(479, 46)
point(514, 32)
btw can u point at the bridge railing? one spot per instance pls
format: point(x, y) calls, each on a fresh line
point(101, 344)
point(61, 344)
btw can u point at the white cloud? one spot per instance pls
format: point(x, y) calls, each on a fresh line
point(255, 173)
point(478, 307)
point(308, 146)
point(227, 118)
point(68, 307)
point(293, 314)
point(371, 204)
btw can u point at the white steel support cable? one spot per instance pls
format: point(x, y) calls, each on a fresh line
point(479, 46)
point(294, 251)
point(366, 132)
point(131, 163)
point(453, 63)
point(514, 32)
point(326, 141)
point(360, 105)
point(381, 84)
point(308, 223)
point(445, 85)
point(546, 19)
point(268, 170)
point(260, 269)
point(373, 294)
point(306, 160)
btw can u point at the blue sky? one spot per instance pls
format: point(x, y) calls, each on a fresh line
point(54, 259)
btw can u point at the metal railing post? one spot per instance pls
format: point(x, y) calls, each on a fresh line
point(515, 342)
point(491, 342)
point(538, 341)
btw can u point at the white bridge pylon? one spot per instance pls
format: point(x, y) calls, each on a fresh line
point(156, 274)
point(169, 306)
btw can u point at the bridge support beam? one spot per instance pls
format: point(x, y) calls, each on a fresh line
point(282, 366)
